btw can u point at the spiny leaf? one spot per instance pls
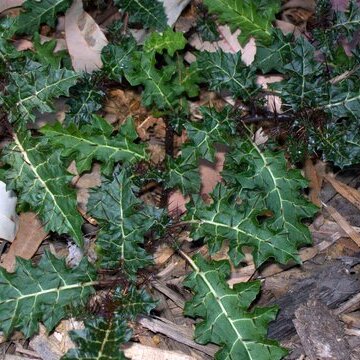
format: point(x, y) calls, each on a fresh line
point(39, 177)
point(35, 89)
point(266, 172)
point(100, 339)
point(44, 52)
point(117, 59)
point(275, 56)
point(95, 142)
point(253, 17)
point(129, 303)
point(215, 127)
point(339, 142)
point(148, 13)
point(85, 100)
point(303, 86)
point(39, 12)
point(235, 220)
point(124, 220)
point(42, 293)
point(168, 40)
point(103, 336)
point(226, 319)
point(159, 86)
point(342, 100)
point(206, 27)
point(183, 173)
point(225, 71)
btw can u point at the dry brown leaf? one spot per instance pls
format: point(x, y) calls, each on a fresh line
point(8, 4)
point(158, 124)
point(173, 9)
point(122, 104)
point(84, 183)
point(84, 39)
point(344, 190)
point(137, 351)
point(342, 222)
point(29, 237)
point(315, 182)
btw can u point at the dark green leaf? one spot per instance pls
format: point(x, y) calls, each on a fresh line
point(39, 12)
point(96, 142)
point(39, 177)
point(226, 71)
point(227, 321)
point(253, 17)
point(148, 13)
point(124, 222)
point(35, 89)
point(42, 293)
point(266, 172)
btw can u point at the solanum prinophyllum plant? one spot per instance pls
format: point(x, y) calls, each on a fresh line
point(257, 179)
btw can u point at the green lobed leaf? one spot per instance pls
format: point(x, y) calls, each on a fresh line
point(266, 172)
point(38, 12)
point(95, 141)
point(44, 52)
point(206, 27)
point(168, 40)
point(42, 293)
point(38, 176)
point(339, 142)
point(274, 57)
point(303, 84)
point(103, 336)
point(85, 100)
point(226, 71)
point(227, 322)
point(34, 90)
point(236, 220)
point(124, 221)
point(160, 88)
point(253, 17)
point(100, 339)
point(148, 13)
point(117, 59)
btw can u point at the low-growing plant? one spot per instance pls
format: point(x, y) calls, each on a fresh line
point(259, 204)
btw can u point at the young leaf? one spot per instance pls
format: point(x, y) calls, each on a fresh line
point(44, 52)
point(226, 71)
point(39, 12)
point(225, 219)
point(168, 40)
point(124, 220)
point(215, 127)
point(275, 56)
point(95, 142)
point(159, 85)
point(39, 177)
point(226, 319)
point(42, 293)
point(132, 302)
point(339, 142)
point(253, 17)
point(117, 59)
point(103, 336)
point(148, 13)
point(100, 339)
point(266, 172)
point(85, 100)
point(35, 89)
point(303, 86)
